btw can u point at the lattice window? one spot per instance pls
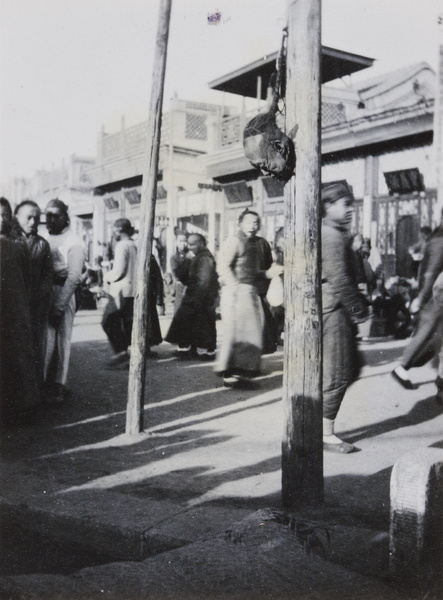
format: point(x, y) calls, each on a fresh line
point(196, 127)
point(332, 113)
point(135, 137)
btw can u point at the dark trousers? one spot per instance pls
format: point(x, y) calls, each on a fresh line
point(341, 360)
point(426, 341)
point(118, 325)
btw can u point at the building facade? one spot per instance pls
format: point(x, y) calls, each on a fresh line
point(69, 182)
point(377, 136)
point(185, 199)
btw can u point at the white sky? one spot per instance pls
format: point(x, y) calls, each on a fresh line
point(69, 66)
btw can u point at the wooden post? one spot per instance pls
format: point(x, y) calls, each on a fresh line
point(137, 369)
point(438, 121)
point(302, 448)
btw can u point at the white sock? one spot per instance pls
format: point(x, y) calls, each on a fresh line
point(328, 432)
point(401, 372)
point(332, 439)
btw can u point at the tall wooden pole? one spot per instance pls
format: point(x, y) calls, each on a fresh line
point(302, 448)
point(438, 120)
point(137, 368)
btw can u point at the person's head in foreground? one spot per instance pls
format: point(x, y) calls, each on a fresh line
point(338, 204)
point(269, 149)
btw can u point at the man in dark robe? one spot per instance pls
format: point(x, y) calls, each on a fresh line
point(193, 326)
point(27, 215)
point(180, 262)
point(19, 392)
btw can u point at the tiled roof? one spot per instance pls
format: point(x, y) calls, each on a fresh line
point(381, 83)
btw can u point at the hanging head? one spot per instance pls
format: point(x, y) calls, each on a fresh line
point(269, 149)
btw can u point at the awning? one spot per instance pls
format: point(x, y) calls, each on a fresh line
point(243, 81)
point(237, 192)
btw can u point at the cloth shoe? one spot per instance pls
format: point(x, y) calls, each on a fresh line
point(400, 375)
point(118, 358)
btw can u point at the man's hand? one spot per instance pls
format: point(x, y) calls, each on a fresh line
point(274, 270)
point(414, 306)
point(55, 317)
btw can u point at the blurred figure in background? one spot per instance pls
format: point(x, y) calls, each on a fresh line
point(417, 252)
point(119, 312)
point(27, 215)
point(156, 305)
point(426, 341)
point(179, 263)
point(275, 293)
point(193, 326)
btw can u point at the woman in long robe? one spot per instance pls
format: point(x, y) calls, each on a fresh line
point(248, 327)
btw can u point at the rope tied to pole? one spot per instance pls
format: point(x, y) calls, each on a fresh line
point(278, 78)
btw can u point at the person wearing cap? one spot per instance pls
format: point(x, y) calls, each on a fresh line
point(343, 308)
point(68, 258)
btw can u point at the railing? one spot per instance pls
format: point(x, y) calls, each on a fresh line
point(129, 141)
point(231, 128)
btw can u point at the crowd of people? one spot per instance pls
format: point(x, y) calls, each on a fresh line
point(39, 278)
point(42, 275)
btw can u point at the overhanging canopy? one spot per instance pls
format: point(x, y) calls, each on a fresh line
point(243, 81)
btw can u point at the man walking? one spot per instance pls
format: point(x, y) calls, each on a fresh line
point(193, 326)
point(342, 308)
point(119, 312)
point(245, 268)
point(68, 259)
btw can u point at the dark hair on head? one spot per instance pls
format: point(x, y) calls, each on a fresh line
point(262, 123)
point(26, 203)
point(124, 225)
point(61, 206)
point(248, 212)
point(200, 236)
point(5, 203)
point(425, 230)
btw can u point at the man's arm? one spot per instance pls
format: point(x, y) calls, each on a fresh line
point(75, 260)
point(120, 266)
point(47, 272)
point(226, 261)
point(336, 273)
